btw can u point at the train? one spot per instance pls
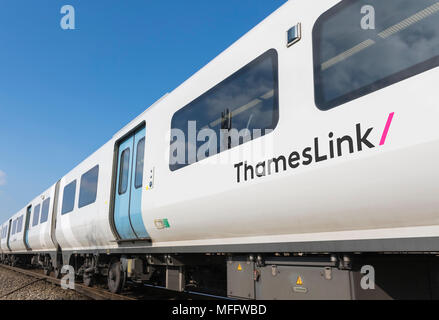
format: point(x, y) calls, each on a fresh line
point(300, 163)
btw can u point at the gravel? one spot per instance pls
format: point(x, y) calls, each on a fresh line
point(40, 290)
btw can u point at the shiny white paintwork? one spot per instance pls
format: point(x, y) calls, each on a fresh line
point(386, 192)
point(40, 236)
point(3, 242)
point(16, 241)
point(89, 226)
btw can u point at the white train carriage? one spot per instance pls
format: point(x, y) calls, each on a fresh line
point(4, 238)
point(326, 181)
point(39, 232)
point(17, 241)
point(308, 143)
point(84, 202)
point(40, 229)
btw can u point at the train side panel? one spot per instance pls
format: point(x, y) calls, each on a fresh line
point(350, 196)
point(40, 224)
point(83, 219)
point(16, 238)
point(4, 238)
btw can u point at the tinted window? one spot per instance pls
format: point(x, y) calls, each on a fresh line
point(124, 170)
point(36, 216)
point(19, 224)
point(89, 187)
point(139, 163)
point(352, 60)
point(68, 202)
point(241, 108)
point(14, 226)
point(45, 210)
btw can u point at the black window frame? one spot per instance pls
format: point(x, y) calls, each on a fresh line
point(84, 203)
point(366, 90)
point(68, 210)
point(271, 53)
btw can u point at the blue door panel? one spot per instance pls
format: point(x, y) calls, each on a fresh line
point(136, 185)
point(128, 198)
point(122, 199)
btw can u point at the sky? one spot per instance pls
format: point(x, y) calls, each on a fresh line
point(64, 93)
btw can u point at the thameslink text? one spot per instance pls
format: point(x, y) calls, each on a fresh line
point(306, 157)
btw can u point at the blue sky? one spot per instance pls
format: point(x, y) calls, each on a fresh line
point(64, 93)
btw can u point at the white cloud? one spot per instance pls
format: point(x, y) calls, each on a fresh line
point(2, 178)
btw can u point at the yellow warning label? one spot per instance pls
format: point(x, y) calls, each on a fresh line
point(299, 281)
point(239, 267)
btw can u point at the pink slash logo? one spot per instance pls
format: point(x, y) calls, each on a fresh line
point(386, 129)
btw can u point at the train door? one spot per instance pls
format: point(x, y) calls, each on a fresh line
point(26, 227)
point(9, 234)
point(128, 192)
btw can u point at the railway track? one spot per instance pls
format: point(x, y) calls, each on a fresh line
point(90, 292)
point(133, 291)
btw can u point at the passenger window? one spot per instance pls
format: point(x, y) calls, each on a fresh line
point(14, 226)
point(241, 108)
point(45, 210)
point(69, 194)
point(352, 60)
point(19, 224)
point(36, 216)
point(89, 187)
point(124, 170)
point(139, 163)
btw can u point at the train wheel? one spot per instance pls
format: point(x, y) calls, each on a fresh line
point(88, 279)
point(115, 277)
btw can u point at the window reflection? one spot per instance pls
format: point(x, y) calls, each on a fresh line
point(351, 62)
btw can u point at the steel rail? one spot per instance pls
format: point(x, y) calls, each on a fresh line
point(91, 292)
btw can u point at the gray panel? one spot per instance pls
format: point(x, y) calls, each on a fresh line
point(303, 283)
point(430, 244)
point(175, 279)
point(240, 283)
point(421, 245)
